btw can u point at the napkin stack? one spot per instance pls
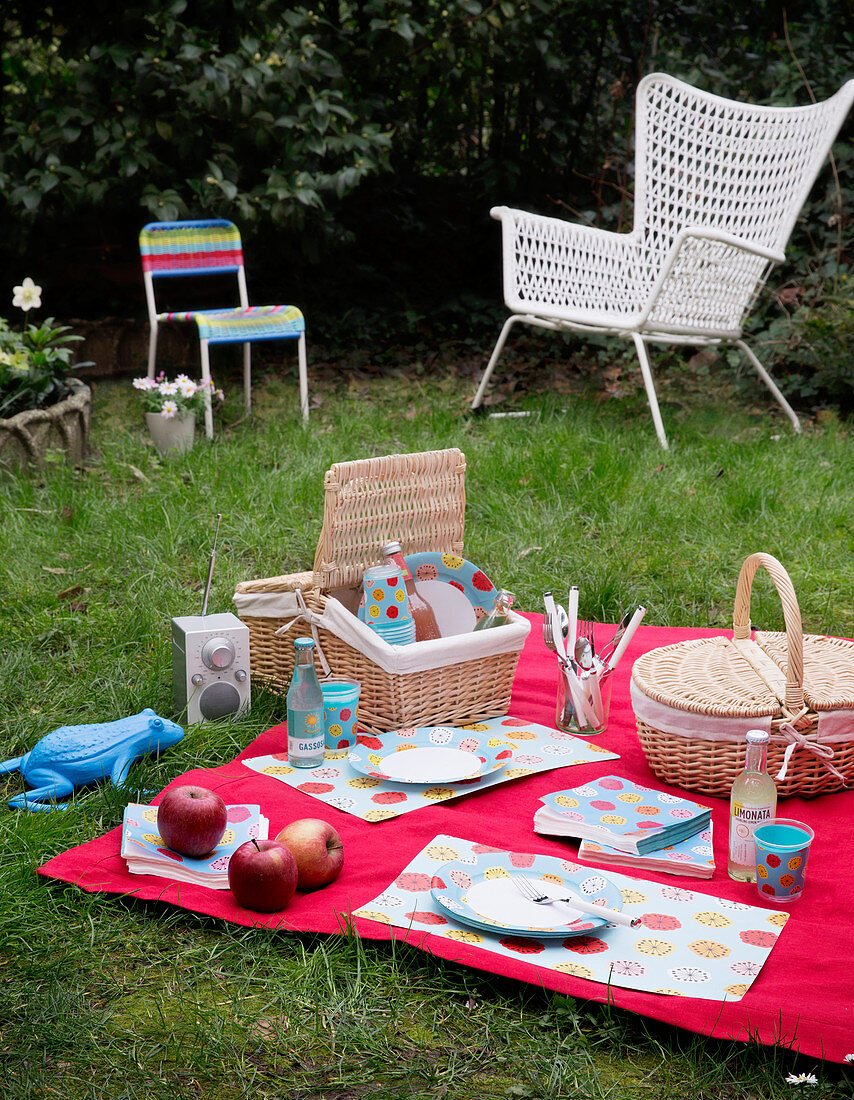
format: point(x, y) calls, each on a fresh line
point(146, 854)
point(618, 818)
point(692, 857)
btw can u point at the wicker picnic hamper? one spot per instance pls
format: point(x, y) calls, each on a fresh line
point(694, 701)
point(418, 499)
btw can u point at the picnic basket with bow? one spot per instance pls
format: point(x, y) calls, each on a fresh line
point(694, 701)
point(418, 499)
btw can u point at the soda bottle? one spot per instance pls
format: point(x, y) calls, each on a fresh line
point(422, 613)
point(753, 802)
point(306, 713)
point(500, 613)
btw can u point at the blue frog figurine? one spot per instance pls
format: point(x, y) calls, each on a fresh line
point(72, 756)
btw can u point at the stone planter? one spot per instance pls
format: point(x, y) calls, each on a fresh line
point(175, 434)
point(28, 436)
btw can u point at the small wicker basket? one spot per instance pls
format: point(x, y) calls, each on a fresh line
point(695, 701)
point(420, 500)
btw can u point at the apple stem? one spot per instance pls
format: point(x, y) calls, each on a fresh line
point(255, 842)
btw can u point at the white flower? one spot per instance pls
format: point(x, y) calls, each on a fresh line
point(802, 1079)
point(182, 378)
point(186, 387)
point(27, 295)
point(169, 410)
point(168, 389)
point(848, 1058)
point(144, 384)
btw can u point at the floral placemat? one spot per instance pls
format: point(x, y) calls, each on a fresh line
point(688, 944)
point(533, 748)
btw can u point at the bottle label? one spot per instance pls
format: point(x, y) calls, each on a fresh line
point(744, 820)
point(306, 733)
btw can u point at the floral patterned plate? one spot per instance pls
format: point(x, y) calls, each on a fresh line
point(479, 891)
point(429, 754)
point(467, 578)
point(431, 572)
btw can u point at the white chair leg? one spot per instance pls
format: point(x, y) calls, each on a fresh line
point(646, 371)
point(247, 378)
point(771, 384)
point(303, 377)
point(206, 382)
point(490, 366)
point(152, 349)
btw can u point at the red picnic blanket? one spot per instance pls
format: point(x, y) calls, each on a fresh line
point(802, 999)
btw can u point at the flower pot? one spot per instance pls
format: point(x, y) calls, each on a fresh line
point(28, 436)
point(177, 433)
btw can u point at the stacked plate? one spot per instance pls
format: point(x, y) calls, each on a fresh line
point(429, 755)
point(479, 891)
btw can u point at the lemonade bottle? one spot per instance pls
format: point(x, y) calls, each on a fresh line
point(753, 802)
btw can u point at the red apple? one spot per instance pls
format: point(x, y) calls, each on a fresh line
point(191, 820)
point(262, 875)
point(317, 849)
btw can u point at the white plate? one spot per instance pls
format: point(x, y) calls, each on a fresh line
point(452, 608)
point(482, 893)
point(431, 754)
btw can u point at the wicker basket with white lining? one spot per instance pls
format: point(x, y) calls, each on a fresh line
point(418, 499)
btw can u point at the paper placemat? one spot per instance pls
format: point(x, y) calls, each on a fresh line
point(689, 944)
point(533, 748)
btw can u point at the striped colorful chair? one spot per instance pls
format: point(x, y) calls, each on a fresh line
point(212, 247)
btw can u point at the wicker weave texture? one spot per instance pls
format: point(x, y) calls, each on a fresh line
point(712, 766)
point(788, 676)
point(466, 692)
point(418, 499)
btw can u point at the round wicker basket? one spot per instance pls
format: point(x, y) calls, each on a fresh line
point(732, 684)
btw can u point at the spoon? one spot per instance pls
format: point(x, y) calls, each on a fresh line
point(584, 652)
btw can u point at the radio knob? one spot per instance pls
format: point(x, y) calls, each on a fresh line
point(240, 676)
point(218, 653)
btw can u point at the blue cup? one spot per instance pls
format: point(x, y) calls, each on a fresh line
point(782, 847)
point(341, 703)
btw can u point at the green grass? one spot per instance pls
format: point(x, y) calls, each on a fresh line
point(112, 998)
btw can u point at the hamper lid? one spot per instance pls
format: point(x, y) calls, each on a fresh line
point(721, 677)
point(417, 499)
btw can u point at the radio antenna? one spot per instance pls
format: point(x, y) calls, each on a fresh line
point(211, 567)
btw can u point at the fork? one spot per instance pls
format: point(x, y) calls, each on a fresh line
point(530, 891)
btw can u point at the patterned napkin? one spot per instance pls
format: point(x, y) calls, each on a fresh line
point(533, 748)
point(688, 945)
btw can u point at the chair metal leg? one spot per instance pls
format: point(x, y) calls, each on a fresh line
point(490, 366)
point(771, 384)
point(206, 382)
point(303, 377)
point(247, 378)
point(152, 349)
point(646, 371)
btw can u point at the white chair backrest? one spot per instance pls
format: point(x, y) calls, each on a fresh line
point(705, 161)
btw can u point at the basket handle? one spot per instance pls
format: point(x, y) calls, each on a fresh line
point(741, 626)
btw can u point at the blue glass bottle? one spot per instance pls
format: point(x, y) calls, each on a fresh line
point(306, 714)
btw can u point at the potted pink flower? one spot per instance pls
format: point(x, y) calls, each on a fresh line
point(171, 408)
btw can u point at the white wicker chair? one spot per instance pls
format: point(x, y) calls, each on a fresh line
point(718, 187)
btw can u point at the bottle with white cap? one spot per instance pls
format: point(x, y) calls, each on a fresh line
point(753, 802)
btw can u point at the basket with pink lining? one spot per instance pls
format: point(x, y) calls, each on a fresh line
point(695, 701)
